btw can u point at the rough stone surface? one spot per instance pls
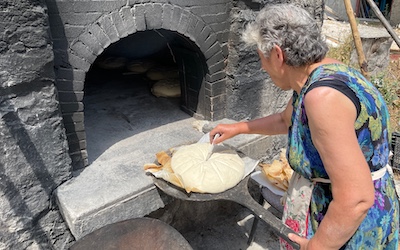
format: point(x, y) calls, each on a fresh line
point(376, 42)
point(250, 91)
point(376, 45)
point(34, 159)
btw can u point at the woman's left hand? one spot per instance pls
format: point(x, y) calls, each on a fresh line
point(303, 242)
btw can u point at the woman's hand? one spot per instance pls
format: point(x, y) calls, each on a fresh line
point(226, 131)
point(303, 242)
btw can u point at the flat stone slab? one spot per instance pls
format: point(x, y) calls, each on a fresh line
point(115, 187)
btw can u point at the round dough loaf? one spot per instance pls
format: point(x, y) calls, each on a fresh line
point(167, 88)
point(223, 170)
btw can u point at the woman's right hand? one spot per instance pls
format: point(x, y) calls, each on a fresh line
point(226, 131)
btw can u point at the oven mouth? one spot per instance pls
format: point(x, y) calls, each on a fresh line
point(146, 80)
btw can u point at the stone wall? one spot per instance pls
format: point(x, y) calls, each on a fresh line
point(250, 91)
point(34, 158)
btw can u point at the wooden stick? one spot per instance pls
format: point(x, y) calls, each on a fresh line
point(357, 40)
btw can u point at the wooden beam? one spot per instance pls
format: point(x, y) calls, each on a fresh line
point(357, 40)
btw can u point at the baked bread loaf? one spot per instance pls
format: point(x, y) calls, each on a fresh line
point(167, 88)
point(278, 172)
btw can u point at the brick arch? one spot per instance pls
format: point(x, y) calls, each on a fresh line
point(128, 20)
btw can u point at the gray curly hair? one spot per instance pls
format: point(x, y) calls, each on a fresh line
point(291, 28)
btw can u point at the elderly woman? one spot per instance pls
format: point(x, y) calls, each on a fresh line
point(342, 195)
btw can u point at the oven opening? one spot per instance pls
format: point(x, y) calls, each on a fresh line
point(139, 83)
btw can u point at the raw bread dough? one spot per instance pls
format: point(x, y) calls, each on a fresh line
point(223, 170)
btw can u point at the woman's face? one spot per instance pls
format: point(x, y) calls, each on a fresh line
point(272, 66)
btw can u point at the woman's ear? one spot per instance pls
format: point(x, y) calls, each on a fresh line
point(279, 54)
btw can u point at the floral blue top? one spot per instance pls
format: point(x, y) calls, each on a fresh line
point(380, 228)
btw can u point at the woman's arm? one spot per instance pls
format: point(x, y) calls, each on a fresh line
point(270, 125)
point(331, 116)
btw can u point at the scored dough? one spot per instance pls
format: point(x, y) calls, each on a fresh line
point(223, 170)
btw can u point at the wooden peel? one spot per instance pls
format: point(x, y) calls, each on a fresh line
point(357, 40)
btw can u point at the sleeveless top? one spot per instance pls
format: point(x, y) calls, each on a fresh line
point(380, 228)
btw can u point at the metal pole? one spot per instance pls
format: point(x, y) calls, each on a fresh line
point(384, 22)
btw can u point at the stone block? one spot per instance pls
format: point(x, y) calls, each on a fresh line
point(105, 192)
point(68, 85)
point(215, 77)
point(73, 117)
point(70, 96)
point(153, 16)
point(78, 62)
point(138, 14)
point(99, 34)
point(216, 88)
point(71, 107)
point(190, 3)
point(83, 51)
point(176, 16)
point(203, 35)
point(216, 18)
point(212, 50)
point(210, 40)
point(69, 74)
point(107, 25)
point(128, 19)
point(215, 59)
point(193, 20)
point(76, 136)
point(376, 47)
point(205, 10)
point(79, 161)
point(119, 24)
point(72, 31)
point(77, 146)
point(79, 18)
point(74, 126)
point(167, 16)
point(89, 6)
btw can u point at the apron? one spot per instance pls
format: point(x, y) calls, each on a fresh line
point(297, 202)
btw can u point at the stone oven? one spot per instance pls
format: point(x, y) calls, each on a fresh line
point(49, 53)
point(195, 32)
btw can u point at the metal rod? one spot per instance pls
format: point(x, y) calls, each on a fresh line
point(384, 22)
